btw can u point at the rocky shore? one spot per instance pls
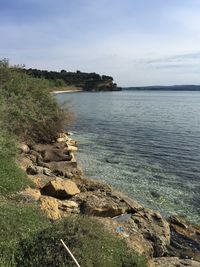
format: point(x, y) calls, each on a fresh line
point(62, 190)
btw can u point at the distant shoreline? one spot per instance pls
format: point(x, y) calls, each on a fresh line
point(163, 88)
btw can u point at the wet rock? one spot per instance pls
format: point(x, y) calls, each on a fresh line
point(178, 221)
point(60, 188)
point(175, 262)
point(112, 161)
point(155, 194)
point(185, 239)
point(49, 206)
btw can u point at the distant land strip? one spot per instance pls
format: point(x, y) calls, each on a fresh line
point(165, 88)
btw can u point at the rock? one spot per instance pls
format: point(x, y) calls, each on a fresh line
point(73, 159)
point(47, 172)
point(55, 155)
point(49, 206)
point(154, 228)
point(24, 148)
point(24, 162)
point(98, 204)
point(60, 188)
point(33, 170)
point(30, 194)
point(185, 239)
point(134, 239)
point(155, 194)
point(63, 168)
point(69, 206)
point(134, 206)
point(86, 184)
point(62, 137)
point(175, 262)
point(72, 148)
point(71, 142)
point(175, 220)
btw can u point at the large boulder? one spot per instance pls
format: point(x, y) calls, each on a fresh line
point(60, 188)
point(99, 204)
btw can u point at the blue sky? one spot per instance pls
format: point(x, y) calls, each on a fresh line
point(138, 42)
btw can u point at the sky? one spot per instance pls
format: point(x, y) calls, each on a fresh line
point(138, 42)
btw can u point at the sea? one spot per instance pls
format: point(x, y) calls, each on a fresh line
point(144, 143)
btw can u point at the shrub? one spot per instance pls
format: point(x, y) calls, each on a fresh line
point(90, 243)
point(17, 222)
point(28, 110)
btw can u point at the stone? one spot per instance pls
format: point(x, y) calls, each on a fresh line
point(71, 142)
point(24, 148)
point(69, 206)
point(72, 148)
point(98, 204)
point(62, 137)
point(55, 155)
point(185, 238)
point(63, 168)
point(154, 228)
point(176, 220)
point(47, 171)
point(174, 262)
point(49, 206)
point(30, 194)
point(60, 188)
point(33, 170)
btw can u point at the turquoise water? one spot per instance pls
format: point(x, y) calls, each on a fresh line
point(146, 144)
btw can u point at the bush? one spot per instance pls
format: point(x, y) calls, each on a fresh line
point(90, 243)
point(28, 110)
point(17, 222)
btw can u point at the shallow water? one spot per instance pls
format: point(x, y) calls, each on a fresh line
point(146, 144)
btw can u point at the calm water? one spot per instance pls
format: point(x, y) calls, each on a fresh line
point(146, 144)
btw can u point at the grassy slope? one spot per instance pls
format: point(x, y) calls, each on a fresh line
point(21, 224)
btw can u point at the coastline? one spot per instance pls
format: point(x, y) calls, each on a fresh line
point(145, 230)
point(67, 91)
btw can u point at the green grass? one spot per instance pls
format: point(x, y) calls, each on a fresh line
point(90, 242)
point(17, 222)
point(12, 179)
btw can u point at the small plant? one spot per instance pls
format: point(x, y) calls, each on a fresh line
point(27, 109)
point(90, 243)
